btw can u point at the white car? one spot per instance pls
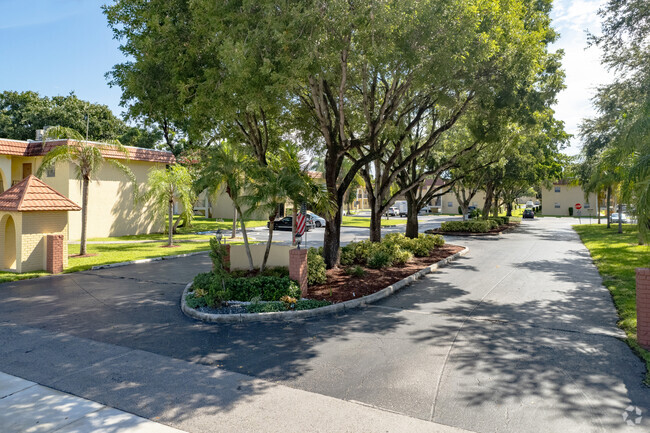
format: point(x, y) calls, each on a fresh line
point(615, 219)
point(392, 211)
point(316, 220)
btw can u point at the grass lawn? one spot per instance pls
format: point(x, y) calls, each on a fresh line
point(617, 256)
point(199, 224)
point(356, 221)
point(114, 253)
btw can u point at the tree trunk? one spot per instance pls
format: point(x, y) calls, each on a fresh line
point(412, 225)
point(509, 209)
point(294, 217)
point(234, 224)
point(489, 193)
point(495, 209)
point(609, 198)
point(170, 219)
point(268, 243)
point(84, 216)
point(251, 266)
point(332, 240)
point(375, 219)
point(620, 217)
point(598, 206)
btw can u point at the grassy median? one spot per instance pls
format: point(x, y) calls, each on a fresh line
point(617, 256)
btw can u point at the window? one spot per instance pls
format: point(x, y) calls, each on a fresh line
point(51, 172)
point(450, 204)
point(557, 189)
point(557, 205)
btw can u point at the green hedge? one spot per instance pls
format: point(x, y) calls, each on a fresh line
point(476, 226)
point(394, 249)
point(218, 289)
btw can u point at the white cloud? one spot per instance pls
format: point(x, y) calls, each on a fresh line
point(573, 19)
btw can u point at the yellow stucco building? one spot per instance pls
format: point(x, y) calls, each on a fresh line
point(111, 207)
point(562, 195)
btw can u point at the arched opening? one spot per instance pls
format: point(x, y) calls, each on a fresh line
point(9, 256)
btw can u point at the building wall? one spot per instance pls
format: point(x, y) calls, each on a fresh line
point(558, 203)
point(478, 200)
point(112, 210)
point(222, 207)
point(278, 256)
point(35, 227)
point(6, 248)
point(5, 173)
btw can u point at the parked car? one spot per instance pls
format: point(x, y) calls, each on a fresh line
point(392, 211)
point(426, 209)
point(402, 207)
point(316, 220)
point(529, 204)
point(614, 218)
point(286, 223)
point(528, 213)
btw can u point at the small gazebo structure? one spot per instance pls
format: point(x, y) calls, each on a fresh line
point(34, 227)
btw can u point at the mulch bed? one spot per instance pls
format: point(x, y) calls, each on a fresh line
point(342, 287)
point(494, 231)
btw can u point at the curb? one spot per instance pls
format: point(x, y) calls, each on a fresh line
point(303, 314)
point(153, 259)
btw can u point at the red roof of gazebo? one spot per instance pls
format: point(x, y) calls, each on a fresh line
point(32, 194)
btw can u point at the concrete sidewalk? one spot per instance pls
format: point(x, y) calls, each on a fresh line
point(28, 407)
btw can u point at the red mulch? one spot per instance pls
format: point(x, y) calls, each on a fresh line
point(342, 287)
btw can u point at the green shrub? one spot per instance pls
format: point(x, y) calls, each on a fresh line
point(316, 270)
point(195, 301)
point(475, 213)
point(347, 256)
point(277, 271)
point(220, 288)
point(380, 258)
point(401, 257)
point(268, 307)
point(477, 226)
point(218, 254)
point(570, 211)
point(266, 288)
point(356, 271)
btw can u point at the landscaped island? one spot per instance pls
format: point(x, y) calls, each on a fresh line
point(493, 225)
point(366, 268)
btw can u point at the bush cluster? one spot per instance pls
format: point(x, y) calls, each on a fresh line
point(213, 289)
point(303, 304)
point(394, 249)
point(316, 270)
point(476, 226)
point(501, 220)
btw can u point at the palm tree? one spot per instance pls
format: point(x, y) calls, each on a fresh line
point(271, 185)
point(166, 186)
point(226, 167)
point(88, 159)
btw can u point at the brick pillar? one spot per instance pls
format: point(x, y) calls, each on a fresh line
point(298, 268)
point(643, 307)
point(54, 258)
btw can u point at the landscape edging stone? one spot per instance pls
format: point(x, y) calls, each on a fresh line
point(329, 309)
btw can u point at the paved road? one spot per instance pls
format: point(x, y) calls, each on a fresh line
point(518, 336)
point(348, 234)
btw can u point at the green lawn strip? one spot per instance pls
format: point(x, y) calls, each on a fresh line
point(617, 256)
point(200, 224)
point(115, 253)
point(355, 221)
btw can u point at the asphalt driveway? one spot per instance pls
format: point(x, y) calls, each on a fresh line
point(517, 336)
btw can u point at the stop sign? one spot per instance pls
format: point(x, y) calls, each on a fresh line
point(578, 206)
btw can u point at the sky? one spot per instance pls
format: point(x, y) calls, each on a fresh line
point(55, 47)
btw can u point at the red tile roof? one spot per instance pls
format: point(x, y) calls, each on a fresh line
point(37, 148)
point(32, 194)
